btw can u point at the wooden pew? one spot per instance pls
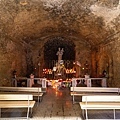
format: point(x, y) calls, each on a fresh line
point(99, 102)
point(17, 101)
point(82, 91)
point(35, 91)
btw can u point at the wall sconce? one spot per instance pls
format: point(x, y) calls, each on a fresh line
point(39, 69)
point(54, 68)
point(39, 64)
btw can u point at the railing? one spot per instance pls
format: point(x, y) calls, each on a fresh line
point(30, 81)
point(88, 81)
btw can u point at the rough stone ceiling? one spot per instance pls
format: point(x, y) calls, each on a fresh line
point(93, 21)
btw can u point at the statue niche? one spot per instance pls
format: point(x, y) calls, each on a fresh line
point(60, 68)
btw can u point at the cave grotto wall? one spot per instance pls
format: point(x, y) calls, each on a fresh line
point(107, 57)
point(12, 57)
point(115, 64)
point(37, 53)
point(83, 55)
point(89, 23)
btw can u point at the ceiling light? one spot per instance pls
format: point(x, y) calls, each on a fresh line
point(23, 2)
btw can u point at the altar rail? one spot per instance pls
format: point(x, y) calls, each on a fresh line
point(30, 81)
point(88, 81)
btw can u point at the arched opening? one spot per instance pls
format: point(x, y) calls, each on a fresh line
point(50, 50)
point(52, 45)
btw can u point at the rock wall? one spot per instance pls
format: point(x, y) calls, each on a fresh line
point(12, 57)
point(83, 54)
point(93, 25)
point(107, 57)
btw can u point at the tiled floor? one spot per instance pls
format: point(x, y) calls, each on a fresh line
point(57, 105)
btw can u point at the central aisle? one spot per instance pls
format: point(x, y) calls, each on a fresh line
point(57, 105)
